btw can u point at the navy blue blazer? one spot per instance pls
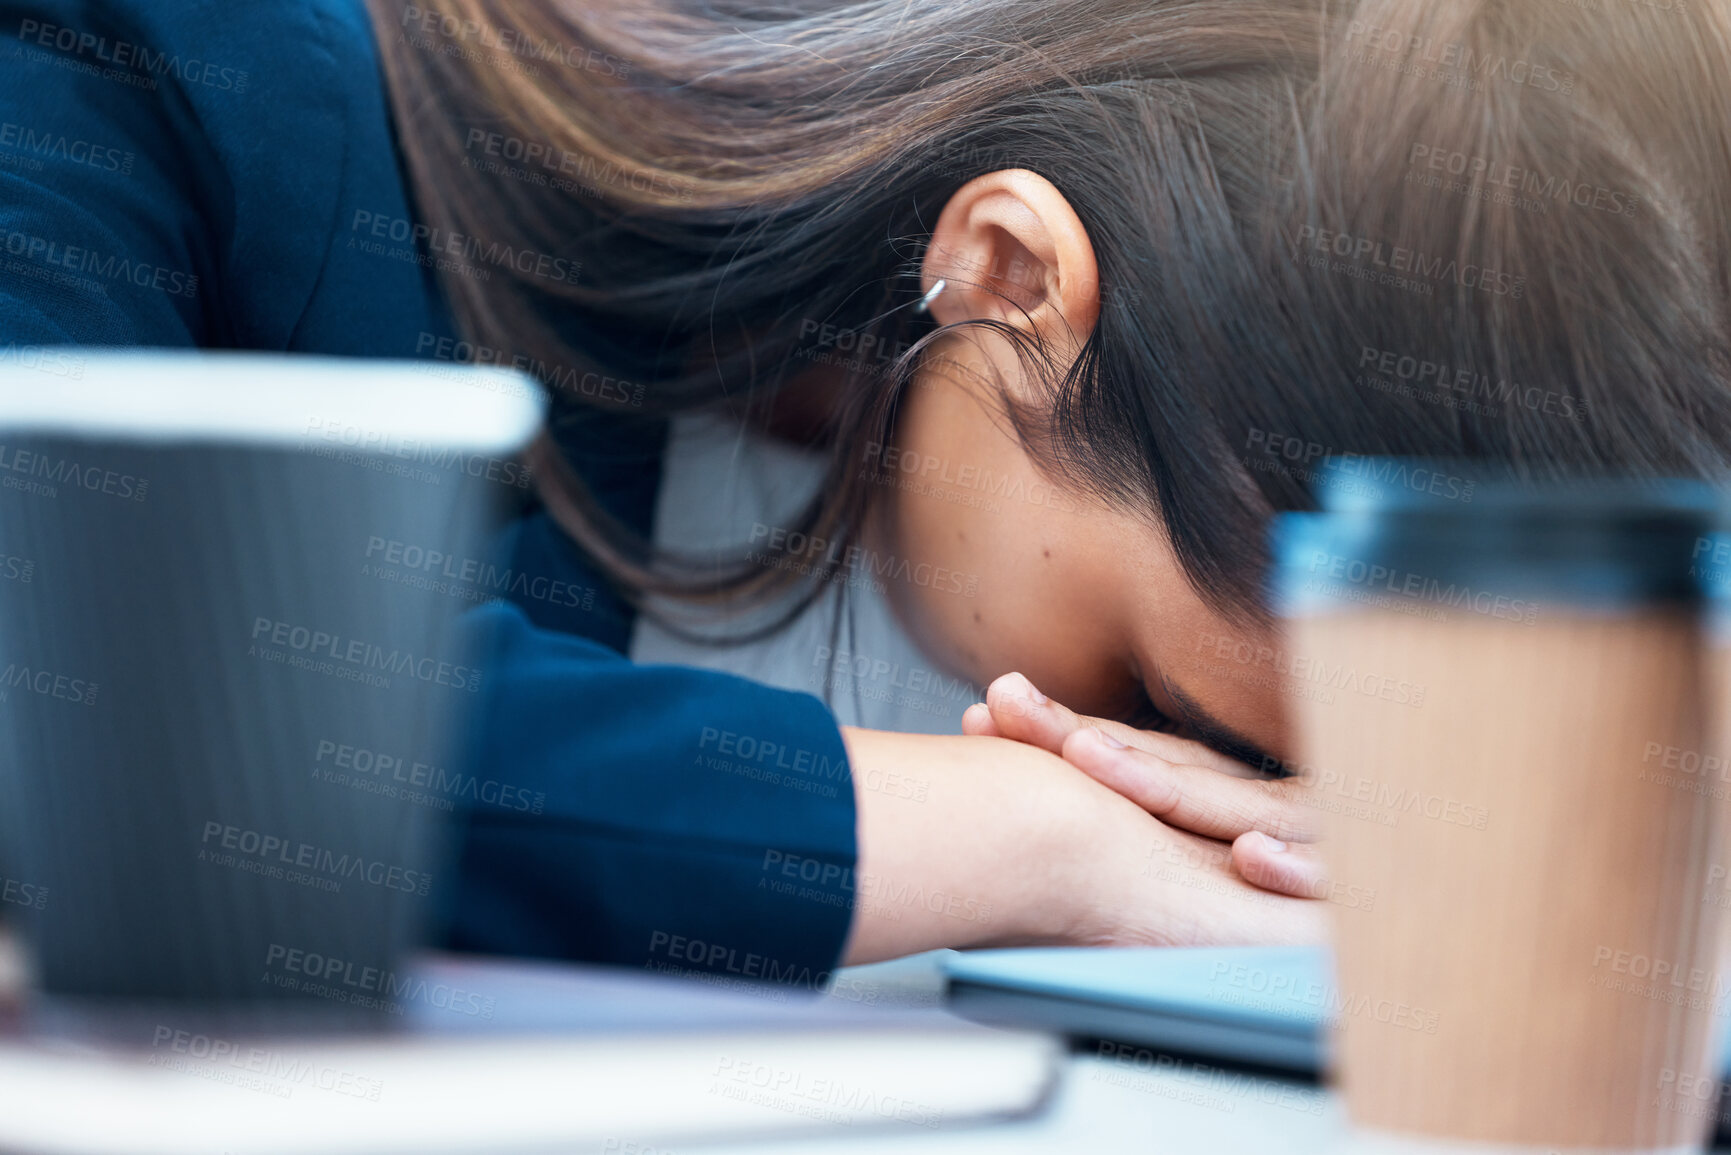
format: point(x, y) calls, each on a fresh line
point(209, 173)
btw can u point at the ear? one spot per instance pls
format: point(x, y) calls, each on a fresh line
point(1009, 248)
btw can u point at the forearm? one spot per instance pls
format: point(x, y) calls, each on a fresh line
point(962, 843)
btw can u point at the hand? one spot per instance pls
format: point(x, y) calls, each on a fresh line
point(1183, 783)
point(1056, 858)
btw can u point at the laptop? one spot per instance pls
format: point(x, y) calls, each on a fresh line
point(1266, 1007)
point(1263, 1007)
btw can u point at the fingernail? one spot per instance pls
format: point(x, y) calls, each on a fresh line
point(1034, 692)
point(1274, 844)
point(1109, 740)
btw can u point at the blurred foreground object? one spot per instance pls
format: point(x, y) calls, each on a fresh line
point(1491, 684)
point(206, 650)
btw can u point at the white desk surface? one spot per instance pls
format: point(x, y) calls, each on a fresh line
point(1099, 1109)
point(1099, 1106)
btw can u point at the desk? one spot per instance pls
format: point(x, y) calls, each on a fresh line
point(1126, 1102)
point(1118, 1102)
point(1121, 1103)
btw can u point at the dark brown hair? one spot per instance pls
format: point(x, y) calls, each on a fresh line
point(1464, 228)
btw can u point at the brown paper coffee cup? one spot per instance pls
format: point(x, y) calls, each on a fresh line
point(1509, 680)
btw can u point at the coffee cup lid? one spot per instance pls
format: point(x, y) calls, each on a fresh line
point(1404, 533)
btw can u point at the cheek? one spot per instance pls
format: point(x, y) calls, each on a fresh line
point(1044, 569)
point(1036, 608)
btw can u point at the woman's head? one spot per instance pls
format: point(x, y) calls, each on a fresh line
point(1455, 228)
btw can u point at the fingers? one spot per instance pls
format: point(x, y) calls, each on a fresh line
point(1185, 752)
point(1205, 902)
point(1260, 918)
point(1283, 867)
point(1021, 712)
point(977, 722)
point(1282, 921)
point(1190, 797)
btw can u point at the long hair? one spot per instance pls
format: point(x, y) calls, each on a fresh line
point(1463, 228)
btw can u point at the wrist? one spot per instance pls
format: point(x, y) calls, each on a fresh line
point(977, 859)
point(1047, 826)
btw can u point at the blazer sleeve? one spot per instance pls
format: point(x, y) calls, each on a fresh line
point(203, 200)
point(652, 816)
point(100, 241)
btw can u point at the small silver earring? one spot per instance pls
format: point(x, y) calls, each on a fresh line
point(931, 295)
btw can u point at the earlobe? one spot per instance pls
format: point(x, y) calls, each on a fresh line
point(1010, 248)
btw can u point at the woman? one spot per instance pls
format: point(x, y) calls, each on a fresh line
point(1166, 261)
